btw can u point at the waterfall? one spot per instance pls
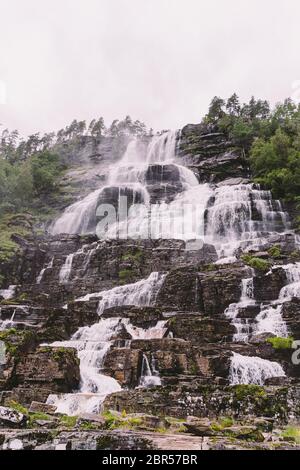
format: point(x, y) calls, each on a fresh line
point(270, 320)
point(41, 274)
point(65, 272)
point(149, 377)
point(156, 332)
point(8, 293)
point(242, 327)
point(292, 289)
point(6, 324)
point(93, 343)
point(252, 370)
point(140, 293)
point(242, 216)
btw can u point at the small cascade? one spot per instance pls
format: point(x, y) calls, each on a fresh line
point(7, 324)
point(270, 320)
point(149, 377)
point(41, 274)
point(243, 328)
point(140, 293)
point(242, 216)
point(8, 293)
point(79, 217)
point(156, 332)
point(92, 344)
point(252, 370)
point(292, 289)
point(65, 272)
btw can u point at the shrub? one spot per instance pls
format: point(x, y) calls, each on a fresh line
point(256, 263)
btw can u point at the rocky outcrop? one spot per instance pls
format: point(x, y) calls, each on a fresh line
point(208, 151)
point(210, 401)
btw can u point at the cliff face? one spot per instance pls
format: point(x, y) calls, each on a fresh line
point(186, 337)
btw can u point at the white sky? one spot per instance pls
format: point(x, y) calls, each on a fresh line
point(160, 61)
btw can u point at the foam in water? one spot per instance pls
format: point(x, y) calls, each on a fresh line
point(8, 293)
point(252, 370)
point(156, 332)
point(270, 320)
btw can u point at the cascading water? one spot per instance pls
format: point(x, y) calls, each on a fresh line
point(8, 293)
point(252, 370)
point(41, 274)
point(242, 216)
point(229, 217)
point(140, 293)
point(92, 344)
point(65, 272)
point(149, 377)
point(242, 327)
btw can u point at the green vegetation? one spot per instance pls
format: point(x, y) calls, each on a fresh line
point(270, 140)
point(126, 275)
point(31, 169)
point(68, 421)
point(222, 423)
point(291, 433)
point(248, 391)
point(281, 343)
point(114, 421)
point(275, 251)
point(18, 407)
point(256, 263)
point(135, 256)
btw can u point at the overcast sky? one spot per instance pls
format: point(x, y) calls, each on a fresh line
point(160, 61)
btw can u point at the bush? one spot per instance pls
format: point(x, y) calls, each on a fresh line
point(275, 251)
point(256, 263)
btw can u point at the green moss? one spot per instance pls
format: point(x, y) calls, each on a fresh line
point(34, 417)
point(256, 263)
point(222, 423)
point(18, 407)
point(87, 426)
point(281, 343)
point(114, 421)
point(68, 421)
point(126, 275)
point(291, 433)
point(242, 392)
point(135, 256)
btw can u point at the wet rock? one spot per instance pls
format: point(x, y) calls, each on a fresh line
point(11, 418)
point(199, 426)
point(38, 407)
point(124, 365)
point(48, 369)
point(199, 329)
point(267, 287)
point(220, 288)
